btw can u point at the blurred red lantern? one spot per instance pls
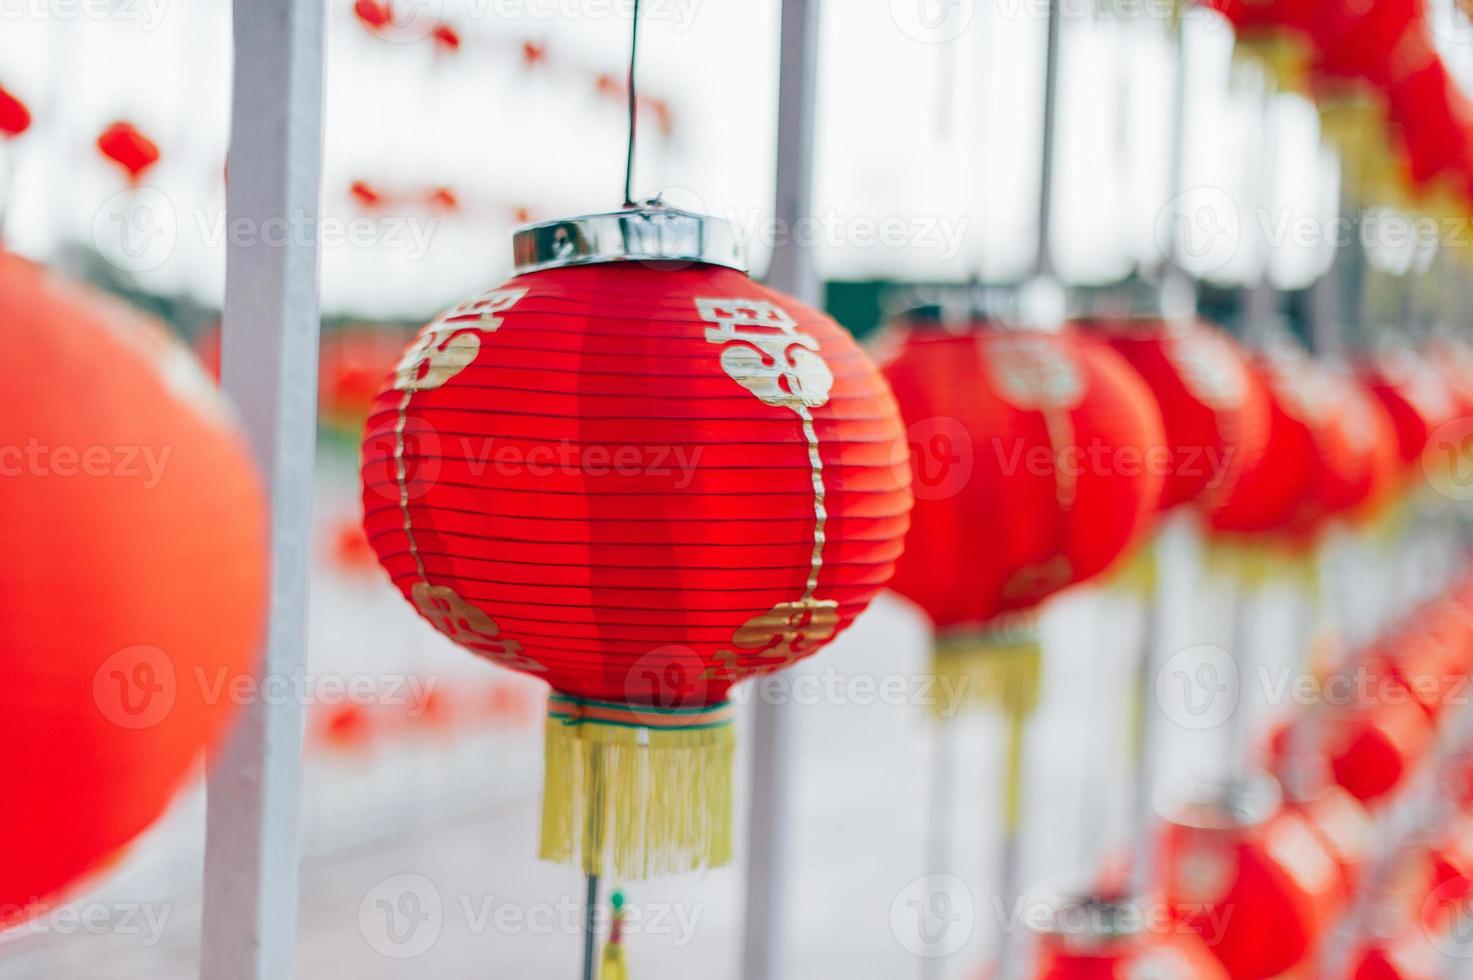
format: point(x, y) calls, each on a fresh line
point(642, 481)
point(1103, 939)
point(372, 14)
point(124, 145)
point(1369, 469)
point(1312, 464)
point(135, 585)
point(1255, 884)
point(1214, 410)
point(1373, 747)
point(444, 199)
point(446, 38)
point(1416, 398)
point(367, 196)
point(15, 118)
point(1050, 429)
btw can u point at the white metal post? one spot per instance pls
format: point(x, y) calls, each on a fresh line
point(793, 272)
point(269, 370)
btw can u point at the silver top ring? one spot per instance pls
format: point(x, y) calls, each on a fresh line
point(647, 233)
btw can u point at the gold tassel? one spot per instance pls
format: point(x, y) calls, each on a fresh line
point(645, 790)
point(998, 668)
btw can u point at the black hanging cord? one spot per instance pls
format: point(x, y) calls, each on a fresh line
point(629, 158)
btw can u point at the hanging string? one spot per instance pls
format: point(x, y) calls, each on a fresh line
point(633, 105)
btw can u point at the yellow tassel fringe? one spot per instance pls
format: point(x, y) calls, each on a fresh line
point(648, 801)
point(999, 669)
point(613, 967)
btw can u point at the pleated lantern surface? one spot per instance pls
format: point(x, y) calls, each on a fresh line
point(643, 482)
point(133, 585)
point(1214, 410)
point(1028, 451)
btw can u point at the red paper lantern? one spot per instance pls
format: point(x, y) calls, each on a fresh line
point(123, 144)
point(372, 14)
point(1407, 957)
point(446, 38)
point(1416, 398)
point(134, 528)
point(1257, 885)
point(642, 482)
point(1213, 408)
point(1052, 430)
point(1345, 828)
point(15, 118)
point(1372, 748)
point(1310, 462)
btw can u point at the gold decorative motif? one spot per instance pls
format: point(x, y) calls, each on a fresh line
point(786, 633)
point(468, 625)
point(767, 354)
point(1209, 369)
point(446, 345)
point(1033, 372)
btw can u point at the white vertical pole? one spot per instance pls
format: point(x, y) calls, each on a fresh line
point(792, 272)
point(269, 370)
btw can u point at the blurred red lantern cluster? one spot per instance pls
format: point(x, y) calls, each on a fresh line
point(1053, 430)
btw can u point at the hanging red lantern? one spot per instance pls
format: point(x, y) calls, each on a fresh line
point(1369, 470)
point(373, 14)
point(1051, 429)
point(1416, 398)
point(1102, 938)
point(1213, 408)
point(124, 145)
point(444, 199)
point(1372, 748)
point(1254, 881)
point(367, 196)
point(134, 588)
point(446, 39)
point(635, 473)
point(15, 118)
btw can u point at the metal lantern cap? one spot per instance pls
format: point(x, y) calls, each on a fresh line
point(1092, 921)
point(646, 233)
